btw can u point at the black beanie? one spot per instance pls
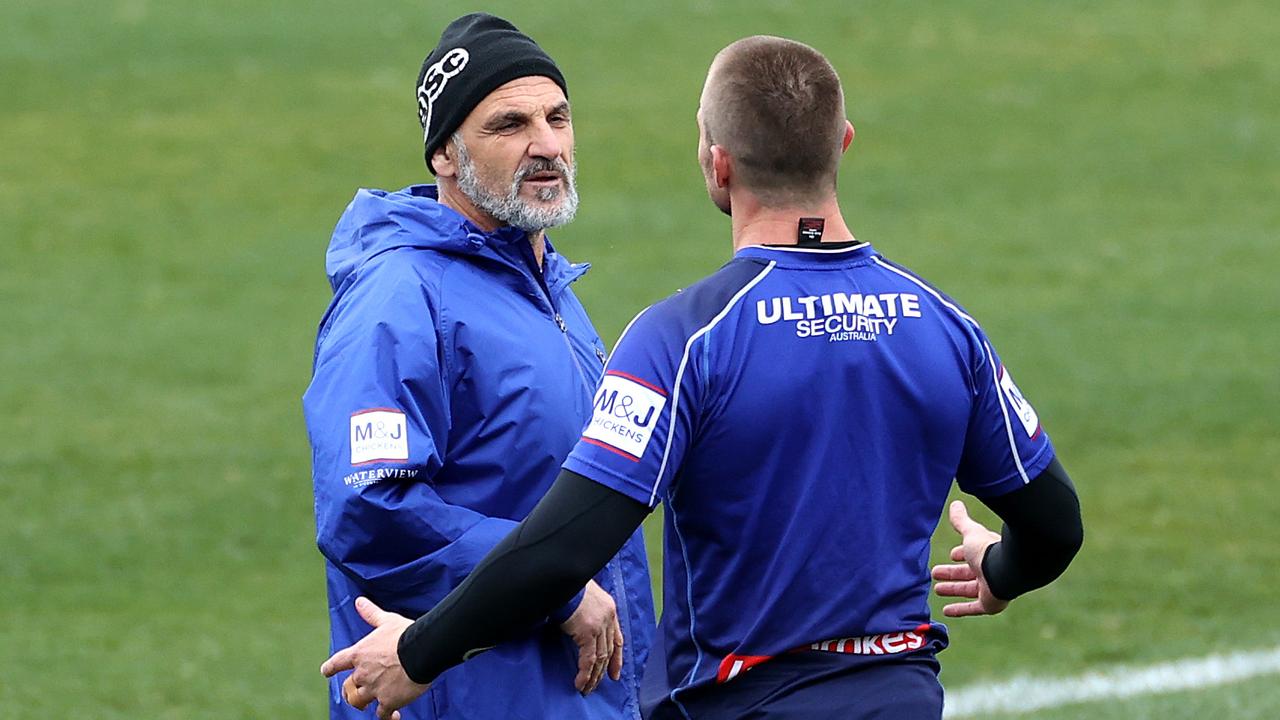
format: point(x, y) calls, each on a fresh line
point(477, 53)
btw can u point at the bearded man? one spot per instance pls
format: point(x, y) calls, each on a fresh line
point(453, 373)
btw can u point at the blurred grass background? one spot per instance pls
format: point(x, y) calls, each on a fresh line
point(1097, 182)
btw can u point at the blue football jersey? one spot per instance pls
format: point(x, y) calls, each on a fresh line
point(802, 413)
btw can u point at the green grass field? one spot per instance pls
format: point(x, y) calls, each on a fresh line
point(1098, 182)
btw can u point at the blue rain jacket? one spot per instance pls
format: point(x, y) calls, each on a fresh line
point(451, 379)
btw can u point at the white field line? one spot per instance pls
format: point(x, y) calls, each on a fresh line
point(1025, 693)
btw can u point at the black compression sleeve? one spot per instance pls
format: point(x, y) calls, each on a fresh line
point(573, 531)
point(1042, 533)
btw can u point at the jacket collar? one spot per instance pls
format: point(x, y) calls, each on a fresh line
point(378, 220)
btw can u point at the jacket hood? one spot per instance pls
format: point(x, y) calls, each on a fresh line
point(379, 220)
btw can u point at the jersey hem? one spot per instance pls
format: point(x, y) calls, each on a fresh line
point(599, 474)
point(1033, 467)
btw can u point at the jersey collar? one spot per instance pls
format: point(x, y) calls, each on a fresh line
point(810, 253)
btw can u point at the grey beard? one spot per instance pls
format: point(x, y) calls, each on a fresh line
point(513, 209)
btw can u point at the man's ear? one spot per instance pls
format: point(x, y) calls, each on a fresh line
point(721, 166)
point(848, 136)
point(443, 162)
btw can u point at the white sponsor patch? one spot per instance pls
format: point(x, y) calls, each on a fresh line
point(625, 415)
point(1018, 404)
point(379, 435)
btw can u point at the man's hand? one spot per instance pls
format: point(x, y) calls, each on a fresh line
point(376, 663)
point(594, 627)
point(965, 579)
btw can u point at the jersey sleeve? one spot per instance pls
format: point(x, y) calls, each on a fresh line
point(644, 412)
point(1005, 446)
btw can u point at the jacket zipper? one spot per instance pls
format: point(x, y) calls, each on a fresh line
point(577, 364)
point(534, 272)
point(623, 605)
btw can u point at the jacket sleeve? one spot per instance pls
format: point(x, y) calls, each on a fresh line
point(377, 414)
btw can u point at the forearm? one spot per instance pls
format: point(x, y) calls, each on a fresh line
point(576, 528)
point(403, 546)
point(1042, 533)
point(413, 586)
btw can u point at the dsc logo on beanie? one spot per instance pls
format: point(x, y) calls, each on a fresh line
point(477, 53)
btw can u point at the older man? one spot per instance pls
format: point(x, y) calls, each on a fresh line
point(802, 412)
point(453, 373)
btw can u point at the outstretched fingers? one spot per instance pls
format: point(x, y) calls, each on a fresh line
point(959, 516)
point(953, 572)
point(371, 613)
point(966, 589)
point(964, 609)
point(344, 659)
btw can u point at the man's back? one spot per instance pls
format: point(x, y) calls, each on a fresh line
point(823, 400)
